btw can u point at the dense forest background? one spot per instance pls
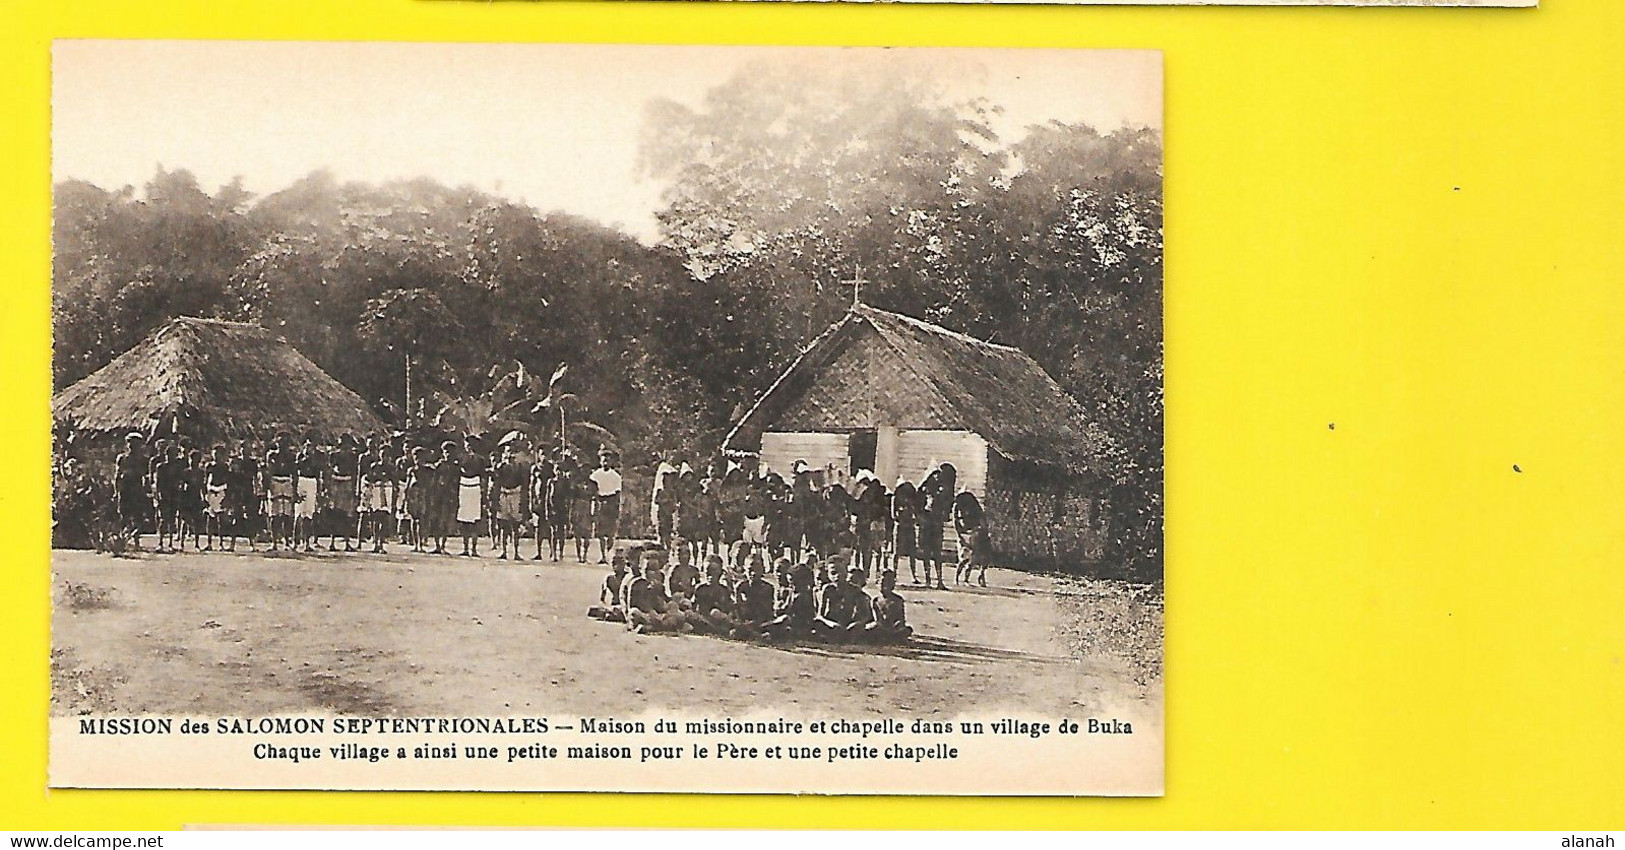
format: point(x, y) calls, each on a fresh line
point(785, 187)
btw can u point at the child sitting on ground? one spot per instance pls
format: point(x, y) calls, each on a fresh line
point(609, 594)
point(890, 624)
point(844, 610)
point(683, 576)
point(781, 579)
point(753, 600)
point(713, 610)
point(713, 596)
point(797, 606)
point(648, 609)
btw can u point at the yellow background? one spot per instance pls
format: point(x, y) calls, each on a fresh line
point(1406, 222)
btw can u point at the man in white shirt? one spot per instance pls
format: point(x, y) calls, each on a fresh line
point(606, 510)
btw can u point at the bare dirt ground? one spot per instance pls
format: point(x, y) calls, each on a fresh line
point(252, 634)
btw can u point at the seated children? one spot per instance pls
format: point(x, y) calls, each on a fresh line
point(844, 610)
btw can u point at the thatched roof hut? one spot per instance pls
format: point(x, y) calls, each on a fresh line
point(898, 396)
point(211, 380)
point(877, 367)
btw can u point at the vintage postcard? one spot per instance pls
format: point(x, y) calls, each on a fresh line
point(536, 417)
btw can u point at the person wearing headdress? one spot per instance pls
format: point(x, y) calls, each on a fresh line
point(868, 510)
point(343, 468)
point(805, 507)
point(969, 521)
point(837, 518)
point(606, 511)
point(217, 479)
point(905, 515)
point(132, 502)
point(816, 525)
point(473, 484)
point(281, 471)
point(663, 500)
point(510, 482)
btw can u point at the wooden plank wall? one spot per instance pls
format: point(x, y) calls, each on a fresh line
point(919, 450)
point(781, 449)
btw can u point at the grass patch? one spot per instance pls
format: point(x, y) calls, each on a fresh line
point(78, 596)
point(1114, 619)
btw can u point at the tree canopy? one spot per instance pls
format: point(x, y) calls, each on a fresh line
point(791, 190)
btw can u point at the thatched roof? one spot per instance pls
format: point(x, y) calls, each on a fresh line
point(215, 380)
point(995, 391)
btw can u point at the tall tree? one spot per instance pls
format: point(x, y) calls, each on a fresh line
point(124, 264)
point(411, 325)
point(800, 180)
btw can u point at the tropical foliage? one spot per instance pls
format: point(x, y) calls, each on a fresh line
point(790, 191)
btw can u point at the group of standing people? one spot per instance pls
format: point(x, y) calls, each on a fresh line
point(735, 514)
point(361, 493)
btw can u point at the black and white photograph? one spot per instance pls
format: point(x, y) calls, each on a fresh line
point(613, 418)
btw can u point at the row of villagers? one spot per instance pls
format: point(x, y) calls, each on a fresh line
point(877, 391)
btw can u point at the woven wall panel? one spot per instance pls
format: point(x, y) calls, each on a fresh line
point(1047, 528)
